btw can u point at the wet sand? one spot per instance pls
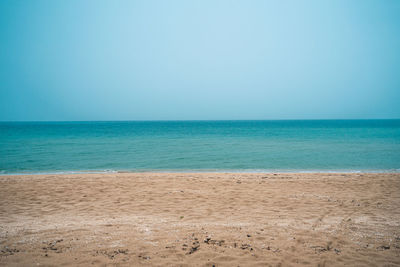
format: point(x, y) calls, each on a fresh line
point(200, 219)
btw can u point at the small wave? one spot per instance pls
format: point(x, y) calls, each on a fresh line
point(258, 171)
point(3, 173)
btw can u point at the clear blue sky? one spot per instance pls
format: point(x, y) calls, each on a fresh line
point(160, 60)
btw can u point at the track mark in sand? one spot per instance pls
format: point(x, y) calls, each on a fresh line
point(318, 222)
point(113, 253)
point(6, 251)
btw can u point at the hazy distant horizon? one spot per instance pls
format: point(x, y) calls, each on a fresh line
point(202, 120)
point(201, 60)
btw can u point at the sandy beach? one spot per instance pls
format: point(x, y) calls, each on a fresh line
point(200, 219)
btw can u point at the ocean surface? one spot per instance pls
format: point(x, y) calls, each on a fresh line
point(253, 146)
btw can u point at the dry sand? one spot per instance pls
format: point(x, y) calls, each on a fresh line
point(200, 219)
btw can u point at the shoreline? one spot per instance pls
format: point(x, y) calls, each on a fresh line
point(202, 219)
point(391, 171)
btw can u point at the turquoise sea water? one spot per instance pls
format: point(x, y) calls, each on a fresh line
point(312, 145)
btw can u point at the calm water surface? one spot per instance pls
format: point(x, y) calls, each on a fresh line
point(313, 145)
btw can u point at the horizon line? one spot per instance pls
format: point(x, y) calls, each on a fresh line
point(187, 120)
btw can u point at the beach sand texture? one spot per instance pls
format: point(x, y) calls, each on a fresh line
point(200, 219)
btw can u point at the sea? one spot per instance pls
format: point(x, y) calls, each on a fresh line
point(200, 146)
